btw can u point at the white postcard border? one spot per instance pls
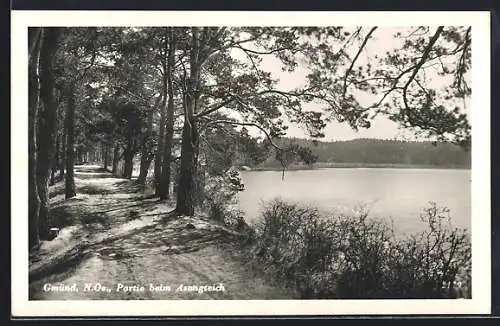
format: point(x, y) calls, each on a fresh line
point(481, 215)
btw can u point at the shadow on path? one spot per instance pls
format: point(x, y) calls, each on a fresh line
point(113, 233)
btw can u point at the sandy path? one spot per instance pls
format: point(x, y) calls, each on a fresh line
point(172, 258)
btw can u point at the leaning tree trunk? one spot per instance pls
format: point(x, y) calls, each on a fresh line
point(69, 187)
point(34, 36)
point(164, 188)
point(46, 126)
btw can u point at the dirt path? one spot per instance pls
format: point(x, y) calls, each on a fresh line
point(186, 258)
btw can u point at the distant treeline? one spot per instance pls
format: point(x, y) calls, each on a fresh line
point(380, 151)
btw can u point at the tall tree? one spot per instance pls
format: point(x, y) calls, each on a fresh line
point(230, 84)
point(147, 154)
point(105, 155)
point(34, 39)
point(133, 80)
point(62, 141)
point(69, 127)
point(161, 132)
point(190, 137)
point(164, 189)
point(46, 125)
point(116, 158)
point(125, 121)
point(77, 55)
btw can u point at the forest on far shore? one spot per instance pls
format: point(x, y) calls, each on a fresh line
point(374, 152)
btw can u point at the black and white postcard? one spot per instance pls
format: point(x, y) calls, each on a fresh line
point(284, 163)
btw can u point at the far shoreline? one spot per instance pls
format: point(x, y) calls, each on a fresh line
point(319, 166)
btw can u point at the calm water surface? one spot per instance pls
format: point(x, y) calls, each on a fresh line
point(400, 194)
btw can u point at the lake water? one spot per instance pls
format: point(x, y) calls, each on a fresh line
point(400, 194)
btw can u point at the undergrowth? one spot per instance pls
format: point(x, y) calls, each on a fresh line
point(324, 255)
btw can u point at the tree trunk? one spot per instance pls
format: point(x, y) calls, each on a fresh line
point(62, 157)
point(69, 187)
point(189, 156)
point(164, 189)
point(160, 148)
point(106, 155)
point(146, 156)
point(200, 182)
point(146, 159)
point(52, 179)
point(46, 126)
point(34, 36)
point(116, 158)
point(55, 162)
point(186, 190)
point(128, 166)
point(128, 157)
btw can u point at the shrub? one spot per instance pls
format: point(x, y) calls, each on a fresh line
point(220, 201)
point(325, 256)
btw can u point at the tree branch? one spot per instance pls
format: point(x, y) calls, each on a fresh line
point(144, 100)
point(230, 45)
point(214, 108)
point(461, 63)
point(93, 58)
point(261, 52)
point(420, 64)
point(252, 61)
point(250, 124)
point(348, 71)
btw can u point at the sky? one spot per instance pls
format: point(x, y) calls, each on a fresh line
point(381, 41)
point(381, 127)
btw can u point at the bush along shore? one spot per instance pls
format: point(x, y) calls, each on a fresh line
point(325, 256)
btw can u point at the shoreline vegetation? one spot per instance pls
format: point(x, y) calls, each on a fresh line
point(326, 256)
